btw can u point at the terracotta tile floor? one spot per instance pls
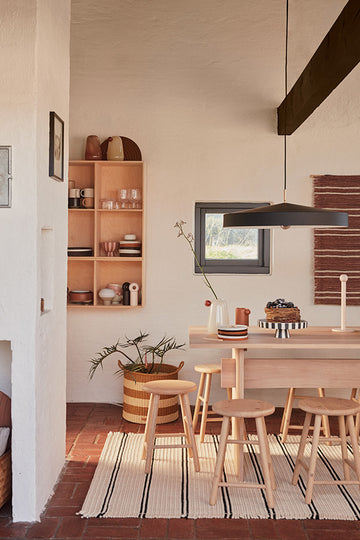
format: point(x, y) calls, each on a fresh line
point(87, 427)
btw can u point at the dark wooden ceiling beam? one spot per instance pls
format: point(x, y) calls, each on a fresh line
point(336, 56)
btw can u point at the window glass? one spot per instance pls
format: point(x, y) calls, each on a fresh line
point(225, 243)
point(225, 250)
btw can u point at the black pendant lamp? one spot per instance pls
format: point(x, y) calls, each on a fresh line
point(285, 214)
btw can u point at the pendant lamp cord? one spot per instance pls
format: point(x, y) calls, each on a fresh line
point(286, 88)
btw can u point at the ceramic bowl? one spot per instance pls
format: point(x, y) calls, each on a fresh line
point(80, 296)
point(106, 296)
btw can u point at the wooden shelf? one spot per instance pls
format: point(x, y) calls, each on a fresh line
point(90, 227)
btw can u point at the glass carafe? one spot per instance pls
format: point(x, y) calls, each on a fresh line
point(218, 316)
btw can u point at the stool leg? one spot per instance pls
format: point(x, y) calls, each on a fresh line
point(312, 464)
point(185, 424)
point(205, 406)
point(286, 417)
point(262, 437)
point(344, 452)
point(271, 468)
point(198, 400)
point(242, 435)
point(354, 444)
point(151, 431)
point(146, 432)
point(325, 419)
point(187, 420)
point(219, 459)
point(301, 449)
point(357, 416)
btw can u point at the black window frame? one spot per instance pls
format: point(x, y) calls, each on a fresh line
point(261, 265)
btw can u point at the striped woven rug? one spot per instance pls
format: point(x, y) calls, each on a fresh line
point(172, 489)
point(337, 251)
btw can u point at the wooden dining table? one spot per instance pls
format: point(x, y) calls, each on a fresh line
point(310, 358)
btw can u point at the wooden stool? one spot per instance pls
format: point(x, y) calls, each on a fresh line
point(356, 397)
point(207, 371)
point(169, 388)
point(286, 417)
point(329, 407)
point(244, 408)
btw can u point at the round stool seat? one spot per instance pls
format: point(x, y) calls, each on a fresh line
point(208, 368)
point(329, 406)
point(169, 387)
point(243, 408)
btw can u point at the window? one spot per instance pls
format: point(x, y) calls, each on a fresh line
point(226, 250)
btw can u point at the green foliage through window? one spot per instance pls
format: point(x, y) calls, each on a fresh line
point(225, 250)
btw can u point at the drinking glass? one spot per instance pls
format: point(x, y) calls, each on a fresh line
point(123, 195)
point(135, 197)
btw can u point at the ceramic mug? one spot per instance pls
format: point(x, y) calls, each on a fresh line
point(74, 202)
point(87, 192)
point(87, 202)
point(242, 316)
point(74, 193)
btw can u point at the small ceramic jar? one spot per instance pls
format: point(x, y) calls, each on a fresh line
point(107, 296)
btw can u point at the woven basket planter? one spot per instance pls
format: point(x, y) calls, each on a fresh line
point(136, 402)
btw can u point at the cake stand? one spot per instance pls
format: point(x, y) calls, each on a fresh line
point(282, 328)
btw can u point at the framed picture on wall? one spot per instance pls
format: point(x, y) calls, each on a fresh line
point(56, 147)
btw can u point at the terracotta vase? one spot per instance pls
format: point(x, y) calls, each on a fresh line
point(93, 148)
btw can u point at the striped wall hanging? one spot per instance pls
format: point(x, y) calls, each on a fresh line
point(337, 251)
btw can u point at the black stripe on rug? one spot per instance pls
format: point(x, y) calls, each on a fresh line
point(146, 489)
point(225, 495)
point(114, 474)
point(184, 481)
point(300, 483)
point(260, 478)
point(343, 490)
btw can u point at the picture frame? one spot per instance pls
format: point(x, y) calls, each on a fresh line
point(56, 147)
point(5, 176)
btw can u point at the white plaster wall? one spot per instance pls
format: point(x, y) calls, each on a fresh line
point(32, 87)
point(53, 79)
point(196, 84)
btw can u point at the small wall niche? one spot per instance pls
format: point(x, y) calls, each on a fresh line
point(47, 262)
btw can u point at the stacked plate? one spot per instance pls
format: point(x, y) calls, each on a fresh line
point(80, 252)
point(238, 331)
point(129, 248)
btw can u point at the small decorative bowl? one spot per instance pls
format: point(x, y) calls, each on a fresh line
point(80, 297)
point(107, 296)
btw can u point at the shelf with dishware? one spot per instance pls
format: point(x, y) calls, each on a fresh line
point(106, 242)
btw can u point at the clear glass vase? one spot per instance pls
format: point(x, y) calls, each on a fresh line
point(218, 316)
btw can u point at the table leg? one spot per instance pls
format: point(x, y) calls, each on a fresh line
point(237, 423)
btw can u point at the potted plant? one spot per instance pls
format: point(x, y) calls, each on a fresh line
point(140, 362)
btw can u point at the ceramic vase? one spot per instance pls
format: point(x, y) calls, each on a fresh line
point(93, 148)
point(115, 150)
